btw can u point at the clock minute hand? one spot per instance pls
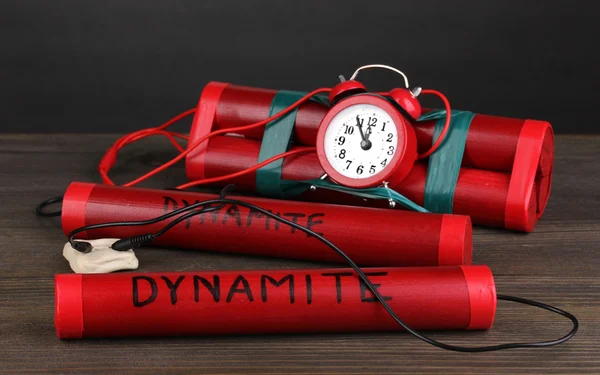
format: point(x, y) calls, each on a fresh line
point(360, 129)
point(365, 144)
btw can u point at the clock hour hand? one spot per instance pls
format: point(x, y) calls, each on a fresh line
point(365, 144)
point(360, 129)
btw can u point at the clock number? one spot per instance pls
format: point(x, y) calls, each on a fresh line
point(372, 121)
point(341, 140)
point(349, 130)
point(391, 150)
point(348, 162)
point(372, 169)
point(389, 138)
point(359, 170)
point(342, 153)
point(384, 163)
point(383, 127)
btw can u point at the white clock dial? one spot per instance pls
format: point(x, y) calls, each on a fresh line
point(361, 141)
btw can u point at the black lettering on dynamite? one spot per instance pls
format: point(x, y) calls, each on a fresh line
point(173, 287)
point(268, 221)
point(308, 289)
point(214, 288)
point(263, 285)
point(294, 217)
point(233, 215)
point(235, 288)
point(364, 290)
point(338, 282)
point(188, 221)
point(253, 213)
point(235, 212)
point(268, 285)
point(169, 204)
point(312, 222)
point(135, 293)
point(214, 215)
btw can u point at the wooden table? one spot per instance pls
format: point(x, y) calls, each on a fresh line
point(558, 264)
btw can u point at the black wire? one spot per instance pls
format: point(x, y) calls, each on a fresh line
point(39, 209)
point(222, 201)
point(150, 221)
point(158, 219)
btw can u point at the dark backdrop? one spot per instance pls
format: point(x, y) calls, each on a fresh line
point(120, 65)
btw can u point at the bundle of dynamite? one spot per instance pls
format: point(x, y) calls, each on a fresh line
point(504, 180)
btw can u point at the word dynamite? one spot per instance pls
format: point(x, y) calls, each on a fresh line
point(295, 287)
point(245, 217)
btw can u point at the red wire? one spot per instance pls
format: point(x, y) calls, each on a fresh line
point(129, 138)
point(248, 170)
point(442, 135)
point(169, 135)
point(177, 118)
point(109, 158)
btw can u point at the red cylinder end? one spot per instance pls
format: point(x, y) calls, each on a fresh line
point(482, 296)
point(68, 306)
point(531, 175)
point(74, 205)
point(524, 216)
point(544, 173)
point(456, 240)
point(202, 125)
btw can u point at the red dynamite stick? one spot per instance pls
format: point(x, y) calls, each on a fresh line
point(271, 301)
point(523, 148)
point(370, 236)
point(482, 195)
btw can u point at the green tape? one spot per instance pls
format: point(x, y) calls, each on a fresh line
point(444, 164)
point(276, 140)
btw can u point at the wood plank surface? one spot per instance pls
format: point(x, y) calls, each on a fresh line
point(558, 264)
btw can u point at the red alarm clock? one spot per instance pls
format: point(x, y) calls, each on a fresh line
point(365, 138)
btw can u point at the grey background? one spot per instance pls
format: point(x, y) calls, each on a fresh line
point(121, 65)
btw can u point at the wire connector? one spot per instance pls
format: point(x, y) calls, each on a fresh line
point(82, 246)
point(132, 242)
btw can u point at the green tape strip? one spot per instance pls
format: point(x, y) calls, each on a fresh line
point(444, 164)
point(276, 140)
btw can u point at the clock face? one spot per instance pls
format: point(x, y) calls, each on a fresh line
point(360, 141)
